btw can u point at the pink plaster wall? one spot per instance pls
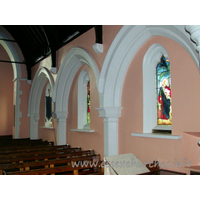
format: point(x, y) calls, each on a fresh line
point(185, 102)
point(85, 140)
point(6, 95)
point(87, 40)
point(24, 127)
point(190, 148)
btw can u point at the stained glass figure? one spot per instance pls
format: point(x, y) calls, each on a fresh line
point(88, 102)
point(163, 90)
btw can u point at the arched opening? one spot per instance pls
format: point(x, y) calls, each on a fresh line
point(70, 66)
point(42, 76)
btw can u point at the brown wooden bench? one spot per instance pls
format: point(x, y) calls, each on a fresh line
point(21, 155)
point(47, 163)
point(58, 170)
point(6, 137)
point(24, 146)
point(38, 152)
point(37, 148)
point(45, 156)
point(17, 146)
point(20, 142)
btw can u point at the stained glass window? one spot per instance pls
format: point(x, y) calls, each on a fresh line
point(163, 91)
point(88, 102)
point(48, 110)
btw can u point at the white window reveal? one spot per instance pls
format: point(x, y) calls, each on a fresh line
point(83, 103)
point(48, 106)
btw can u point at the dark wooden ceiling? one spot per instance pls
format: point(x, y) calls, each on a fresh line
point(38, 41)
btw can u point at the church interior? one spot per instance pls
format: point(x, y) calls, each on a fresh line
point(99, 91)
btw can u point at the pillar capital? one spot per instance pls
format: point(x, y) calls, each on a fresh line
point(110, 112)
point(60, 114)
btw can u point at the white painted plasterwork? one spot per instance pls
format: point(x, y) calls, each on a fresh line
point(98, 48)
point(83, 130)
point(72, 62)
point(111, 116)
point(194, 31)
point(53, 70)
point(120, 54)
point(157, 135)
point(42, 76)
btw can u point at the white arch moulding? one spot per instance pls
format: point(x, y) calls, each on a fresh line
point(72, 62)
point(41, 77)
point(120, 54)
point(14, 56)
point(150, 61)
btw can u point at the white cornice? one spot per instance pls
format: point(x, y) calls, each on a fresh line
point(98, 48)
point(194, 31)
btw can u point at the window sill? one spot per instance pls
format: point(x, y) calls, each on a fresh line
point(83, 130)
point(157, 135)
point(46, 127)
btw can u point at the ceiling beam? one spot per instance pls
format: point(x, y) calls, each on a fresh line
point(8, 61)
point(17, 41)
point(51, 44)
point(99, 34)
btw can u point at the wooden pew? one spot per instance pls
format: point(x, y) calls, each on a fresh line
point(21, 142)
point(17, 155)
point(55, 170)
point(5, 137)
point(34, 148)
point(48, 163)
point(38, 152)
point(24, 146)
point(45, 156)
point(17, 146)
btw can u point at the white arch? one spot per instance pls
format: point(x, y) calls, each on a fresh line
point(72, 62)
point(68, 69)
point(12, 53)
point(120, 54)
point(41, 77)
point(123, 49)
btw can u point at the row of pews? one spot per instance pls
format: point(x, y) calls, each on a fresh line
point(37, 157)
